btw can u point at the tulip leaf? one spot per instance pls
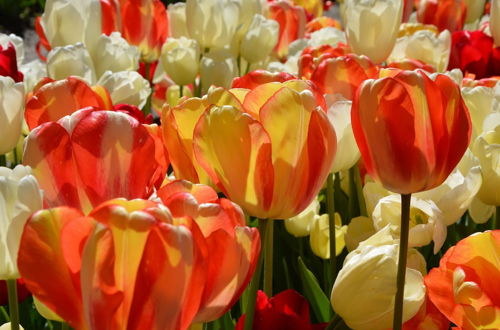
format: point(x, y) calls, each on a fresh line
point(320, 304)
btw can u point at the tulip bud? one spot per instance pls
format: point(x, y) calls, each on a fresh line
point(218, 68)
point(487, 149)
point(177, 20)
point(113, 53)
point(300, 225)
point(180, 59)
point(212, 22)
point(11, 113)
point(495, 21)
point(260, 39)
point(359, 229)
point(320, 236)
point(248, 9)
point(20, 196)
point(71, 60)
point(479, 101)
point(127, 87)
point(367, 282)
point(372, 26)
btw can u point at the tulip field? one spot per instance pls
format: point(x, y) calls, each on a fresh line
point(250, 164)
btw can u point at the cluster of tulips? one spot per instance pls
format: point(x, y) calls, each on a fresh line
point(248, 164)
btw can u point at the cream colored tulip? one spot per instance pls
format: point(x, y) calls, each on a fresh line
point(363, 293)
point(300, 225)
point(372, 26)
point(424, 45)
point(358, 230)
point(475, 9)
point(487, 149)
point(180, 59)
point(373, 192)
point(173, 95)
point(327, 36)
point(18, 43)
point(480, 212)
point(415, 260)
point(7, 326)
point(218, 68)
point(495, 21)
point(480, 101)
point(319, 238)
point(33, 71)
point(20, 196)
point(115, 54)
point(177, 20)
point(212, 23)
point(126, 87)
point(67, 22)
point(11, 113)
point(260, 39)
point(71, 60)
point(426, 222)
point(347, 154)
point(248, 9)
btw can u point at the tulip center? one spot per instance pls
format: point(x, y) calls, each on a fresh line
point(418, 217)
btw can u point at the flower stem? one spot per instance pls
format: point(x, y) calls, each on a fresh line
point(13, 307)
point(496, 223)
point(3, 160)
point(268, 257)
point(330, 203)
point(254, 284)
point(359, 191)
point(403, 252)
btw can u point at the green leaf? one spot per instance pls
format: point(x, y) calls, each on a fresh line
point(320, 304)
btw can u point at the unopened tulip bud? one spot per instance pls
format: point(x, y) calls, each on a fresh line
point(177, 20)
point(114, 53)
point(320, 236)
point(359, 229)
point(71, 60)
point(127, 87)
point(260, 39)
point(180, 59)
point(487, 149)
point(218, 68)
point(11, 113)
point(300, 225)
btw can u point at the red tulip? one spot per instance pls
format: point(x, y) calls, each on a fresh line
point(8, 63)
point(471, 53)
point(286, 310)
point(466, 286)
point(128, 265)
point(445, 14)
point(232, 247)
point(411, 130)
point(92, 156)
point(259, 77)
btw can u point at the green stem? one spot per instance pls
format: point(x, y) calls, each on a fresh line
point(254, 284)
point(496, 223)
point(268, 257)
point(359, 191)
point(353, 196)
point(180, 91)
point(330, 203)
point(3, 160)
point(147, 107)
point(13, 307)
point(403, 252)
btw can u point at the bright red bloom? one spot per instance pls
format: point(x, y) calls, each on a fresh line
point(445, 14)
point(8, 63)
point(286, 310)
point(411, 130)
point(471, 53)
point(466, 286)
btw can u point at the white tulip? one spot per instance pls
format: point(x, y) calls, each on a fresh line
point(487, 149)
point(33, 72)
point(218, 68)
point(300, 225)
point(180, 58)
point(177, 20)
point(11, 113)
point(260, 39)
point(319, 238)
point(115, 54)
point(126, 87)
point(71, 60)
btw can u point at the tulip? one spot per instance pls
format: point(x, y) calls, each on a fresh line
point(20, 196)
point(286, 310)
point(8, 326)
point(358, 230)
point(292, 21)
point(94, 157)
point(389, 130)
point(319, 238)
point(18, 43)
point(465, 286)
point(487, 149)
point(327, 36)
point(495, 21)
point(475, 9)
point(180, 59)
point(146, 267)
point(444, 14)
point(8, 63)
point(300, 225)
point(177, 20)
point(113, 53)
point(373, 269)
point(372, 27)
point(11, 113)
point(212, 23)
point(233, 248)
point(424, 45)
point(127, 87)
point(52, 100)
point(260, 77)
point(217, 68)
point(471, 53)
point(480, 102)
point(259, 41)
point(248, 10)
point(33, 72)
point(274, 163)
point(71, 60)
point(145, 25)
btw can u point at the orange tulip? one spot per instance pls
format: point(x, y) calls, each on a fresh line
point(311, 57)
point(321, 22)
point(128, 265)
point(232, 247)
point(411, 130)
point(145, 25)
point(466, 286)
point(92, 156)
point(445, 14)
point(271, 152)
point(292, 21)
